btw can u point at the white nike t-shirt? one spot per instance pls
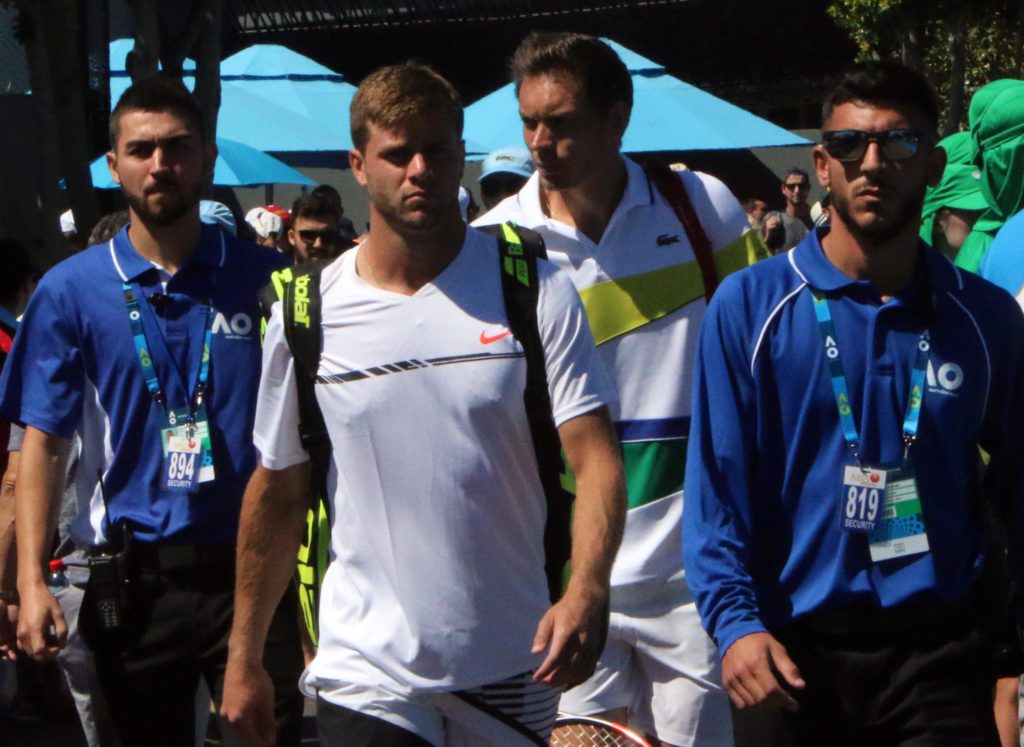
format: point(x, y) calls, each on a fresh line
point(437, 574)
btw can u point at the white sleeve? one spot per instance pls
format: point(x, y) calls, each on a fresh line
point(721, 214)
point(276, 431)
point(577, 380)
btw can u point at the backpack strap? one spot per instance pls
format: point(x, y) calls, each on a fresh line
point(304, 333)
point(519, 249)
point(298, 289)
point(674, 192)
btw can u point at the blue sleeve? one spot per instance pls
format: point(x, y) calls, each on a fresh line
point(43, 378)
point(1002, 263)
point(717, 533)
point(1003, 432)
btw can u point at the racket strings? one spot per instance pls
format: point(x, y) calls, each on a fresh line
point(589, 735)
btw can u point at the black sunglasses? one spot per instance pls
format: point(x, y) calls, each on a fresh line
point(850, 145)
point(310, 236)
point(797, 185)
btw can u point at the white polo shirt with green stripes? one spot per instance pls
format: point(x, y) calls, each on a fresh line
point(644, 296)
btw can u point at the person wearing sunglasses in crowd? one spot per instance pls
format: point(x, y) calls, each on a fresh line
point(314, 229)
point(833, 526)
point(796, 218)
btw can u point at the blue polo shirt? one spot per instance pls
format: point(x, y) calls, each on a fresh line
point(761, 531)
point(74, 367)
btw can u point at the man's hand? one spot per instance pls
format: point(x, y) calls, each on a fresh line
point(248, 701)
point(8, 631)
point(749, 671)
point(42, 631)
point(571, 633)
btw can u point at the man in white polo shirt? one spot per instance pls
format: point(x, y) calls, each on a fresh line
point(435, 622)
point(609, 226)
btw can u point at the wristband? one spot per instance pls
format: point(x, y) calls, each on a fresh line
point(9, 596)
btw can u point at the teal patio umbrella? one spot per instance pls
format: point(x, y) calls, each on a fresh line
point(273, 99)
point(237, 165)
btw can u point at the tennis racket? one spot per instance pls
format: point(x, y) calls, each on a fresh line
point(582, 731)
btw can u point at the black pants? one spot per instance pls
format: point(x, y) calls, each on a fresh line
point(928, 685)
point(338, 726)
point(178, 632)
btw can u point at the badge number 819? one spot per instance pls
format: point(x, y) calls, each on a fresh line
point(862, 504)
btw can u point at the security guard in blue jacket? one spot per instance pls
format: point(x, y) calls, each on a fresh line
point(832, 522)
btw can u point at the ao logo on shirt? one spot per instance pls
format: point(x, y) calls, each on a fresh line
point(946, 380)
point(238, 328)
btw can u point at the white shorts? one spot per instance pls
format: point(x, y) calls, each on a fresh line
point(661, 666)
point(502, 714)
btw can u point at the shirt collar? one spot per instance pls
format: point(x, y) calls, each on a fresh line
point(130, 265)
point(810, 262)
point(8, 318)
point(638, 191)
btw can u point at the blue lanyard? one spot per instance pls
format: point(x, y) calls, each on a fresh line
point(131, 301)
point(842, 392)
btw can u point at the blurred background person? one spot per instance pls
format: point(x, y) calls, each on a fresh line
point(756, 209)
point(504, 172)
point(266, 226)
point(107, 227)
point(952, 207)
point(314, 228)
point(346, 230)
point(75, 241)
point(996, 117)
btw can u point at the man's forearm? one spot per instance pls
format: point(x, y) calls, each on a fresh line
point(37, 496)
point(595, 455)
point(8, 549)
point(270, 531)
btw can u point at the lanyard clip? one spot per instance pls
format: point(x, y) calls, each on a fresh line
point(856, 453)
point(908, 441)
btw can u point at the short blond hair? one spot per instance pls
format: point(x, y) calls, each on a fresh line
point(397, 93)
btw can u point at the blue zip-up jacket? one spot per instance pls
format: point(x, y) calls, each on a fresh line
point(764, 472)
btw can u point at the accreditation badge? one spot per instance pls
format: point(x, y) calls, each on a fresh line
point(861, 499)
point(900, 531)
point(188, 458)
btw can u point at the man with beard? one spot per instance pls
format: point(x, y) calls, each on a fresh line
point(146, 346)
point(833, 526)
point(436, 625)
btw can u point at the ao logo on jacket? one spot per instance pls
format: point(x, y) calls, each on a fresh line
point(947, 379)
point(238, 328)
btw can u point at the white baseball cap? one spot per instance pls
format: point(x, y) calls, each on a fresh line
point(264, 222)
point(67, 222)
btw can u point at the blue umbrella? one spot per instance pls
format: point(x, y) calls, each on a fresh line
point(277, 100)
point(237, 165)
point(119, 80)
point(668, 114)
point(272, 99)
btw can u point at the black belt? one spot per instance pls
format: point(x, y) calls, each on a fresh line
point(217, 557)
point(864, 622)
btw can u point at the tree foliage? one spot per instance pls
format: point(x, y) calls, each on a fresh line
point(959, 44)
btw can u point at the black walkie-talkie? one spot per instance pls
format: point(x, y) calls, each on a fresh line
point(109, 572)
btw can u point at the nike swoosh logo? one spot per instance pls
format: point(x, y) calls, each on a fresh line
point(486, 340)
